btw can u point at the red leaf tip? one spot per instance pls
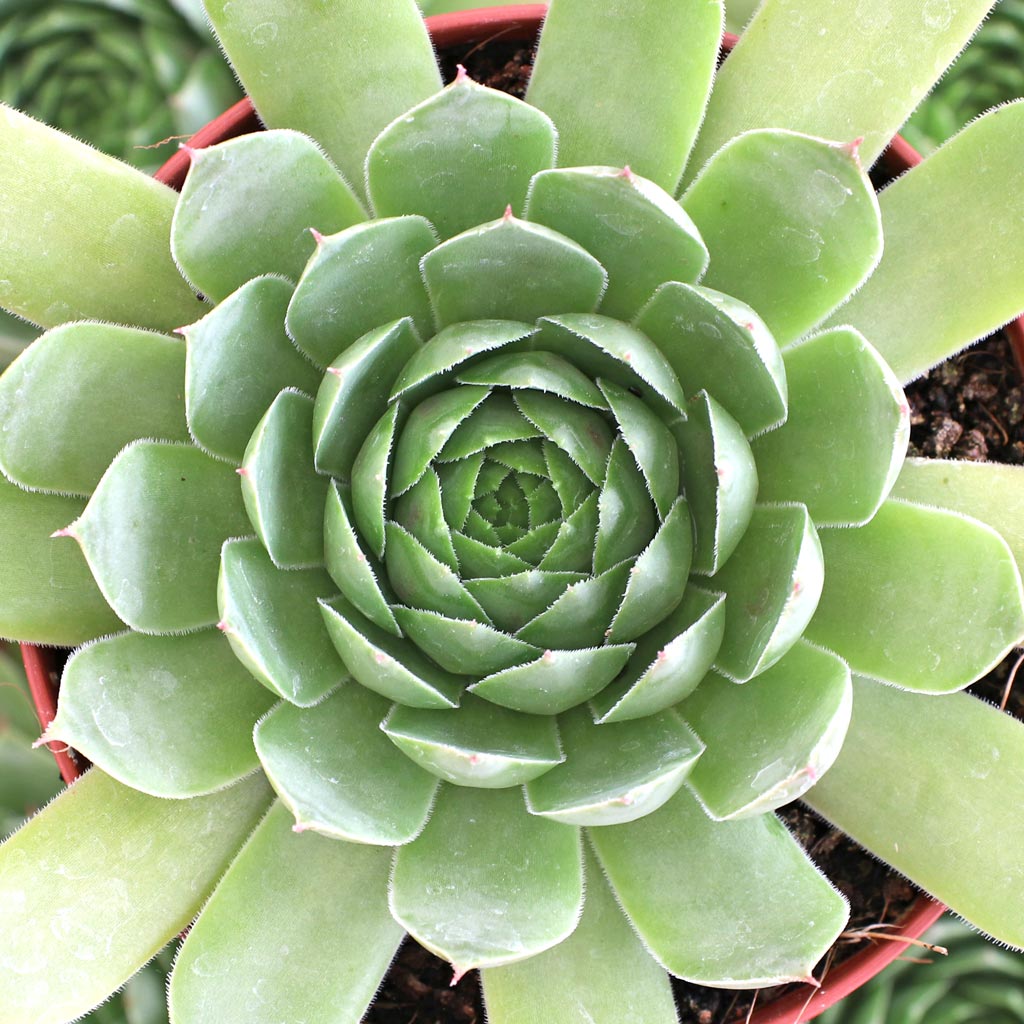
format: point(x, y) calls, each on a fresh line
point(461, 74)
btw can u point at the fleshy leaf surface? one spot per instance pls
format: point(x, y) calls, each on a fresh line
point(70, 943)
point(266, 940)
point(487, 883)
point(901, 591)
point(171, 716)
point(674, 873)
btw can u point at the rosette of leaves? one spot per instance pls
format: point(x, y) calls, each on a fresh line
point(989, 72)
point(525, 525)
point(975, 983)
point(124, 75)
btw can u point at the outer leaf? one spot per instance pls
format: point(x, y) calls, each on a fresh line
point(791, 223)
point(477, 744)
point(263, 944)
point(70, 943)
point(239, 358)
point(582, 977)
point(247, 206)
point(74, 399)
point(62, 605)
point(961, 844)
point(945, 585)
point(152, 530)
point(771, 739)
point(345, 57)
point(100, 254)
point(337, 299)
point(643, 108)
point(987, 491)
point(772, 587)
point(284, 495)
point(338, 774)
point(844, 441)
point(273, 622)
point(511, 269)
point(459, 158)
point(614, 773)
point(785, 74)
point(951, 219)
point(487, 883)
point(637, 231)
point(675, 873)
point(170, 715)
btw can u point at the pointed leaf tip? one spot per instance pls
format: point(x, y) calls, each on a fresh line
point(461, 75)
point(508, 213)
point(63, 532)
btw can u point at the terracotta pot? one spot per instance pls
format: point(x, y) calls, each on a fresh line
point(521, 23)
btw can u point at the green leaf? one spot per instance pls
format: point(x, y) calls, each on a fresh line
point(614, 773)
point(510, 269)
point(771, 739)
point(284, 496)
point(581, 614)
point(459, 158)
point(330, 72)
point(772, 586)
point(152, 531)
point(272, 621)
point(354, 394)
point(356, 575)
point(643, 108)
point(960, 765)
point(247, 206)
point(719, 480)
point(78, 395)
point(669, 662)
point(843, 444)
point(488, 884)
point(657, 580)
point(626, 517)
point(421, 512)
point(463, 646)
point(62, 605)
point(370, 481)
point(951, 219)
point(171, 716)
point(512, 600)
point(432, 366)
point(720, 345)
point(582, 433)
point(582, 977)
point(100, 253)
point(263, 944)
point(791, 223)
point(636, 230)
point(386, 664)
point(556, 681)
point(338, 298)
point(984, 490)
point(923, 598)
point(675, 874)
point(535, 371)
point(833, 90)
point(477, 744)
point(99, 917)
point(651, 443)
point(238, 359)
point(339, 775)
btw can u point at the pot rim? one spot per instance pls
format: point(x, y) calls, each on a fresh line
point(517, 23)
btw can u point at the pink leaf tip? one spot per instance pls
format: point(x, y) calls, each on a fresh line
point(318, 237)
point(223, 625)
point(190, 151)
point(627, 173)
point(65, 532)
point(508, 213)
point(336, 370)
point(242, 471)
point(458, 973)
point(852, 149)
point(461, 74)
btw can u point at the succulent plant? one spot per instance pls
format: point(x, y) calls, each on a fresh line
point(970, 981)
point(990, 71)
point(525, 525)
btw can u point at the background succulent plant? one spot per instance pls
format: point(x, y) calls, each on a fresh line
point(537, 507)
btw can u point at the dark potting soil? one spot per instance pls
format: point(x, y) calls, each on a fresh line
point(971, 407)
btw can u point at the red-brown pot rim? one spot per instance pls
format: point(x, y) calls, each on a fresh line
point(520, 23)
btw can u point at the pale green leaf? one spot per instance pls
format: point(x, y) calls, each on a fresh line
point(960, 766)
point(487, 883)
point(70, 943)
point(264, 947)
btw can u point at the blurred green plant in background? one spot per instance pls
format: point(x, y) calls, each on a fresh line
point(977, 983)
